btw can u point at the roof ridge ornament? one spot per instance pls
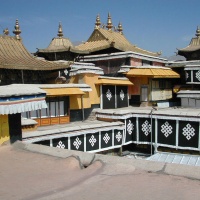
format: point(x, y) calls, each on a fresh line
point(109, 23)
point(60, 31)
point(17, 30)
point(98, 22)
point(120, 29)
point(197, 32)
point(6, 31)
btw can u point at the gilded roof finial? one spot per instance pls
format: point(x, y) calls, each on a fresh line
point(198, 31)
point(6, 31)
point(98, 22)
point(109, 23)
point(60, 31)
point(120, 29)
point(17, 30)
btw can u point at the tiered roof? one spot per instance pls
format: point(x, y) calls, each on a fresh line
point(102, 38)
point(13, 55)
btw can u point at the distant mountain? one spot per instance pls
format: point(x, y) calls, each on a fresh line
point(175, 58)
point(76, 43)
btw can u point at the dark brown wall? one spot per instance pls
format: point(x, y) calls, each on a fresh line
point(15, 129)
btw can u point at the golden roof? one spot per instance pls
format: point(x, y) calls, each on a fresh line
point(13, 55)
point(59, 44)
point(194, 44)
point(153, 73)
point(105, 38)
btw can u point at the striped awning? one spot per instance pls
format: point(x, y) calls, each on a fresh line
point(105, 81)
point(21, 98)
point(62, 91)
point(153, 73)
point(22, 107)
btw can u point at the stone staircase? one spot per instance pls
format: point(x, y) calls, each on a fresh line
point(92, 116)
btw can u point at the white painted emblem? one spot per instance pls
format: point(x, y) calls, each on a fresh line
point(186, 75)
point(146, 128)
point(118, 136)
point(77, 143)
point(130, 127)
point(106, 138)
point(166, 129)
point(66, 72)
point(60, 145)
point(109, 95)
point(92, 140)
point(188, 131)
point(122, 95)
point(198, 75)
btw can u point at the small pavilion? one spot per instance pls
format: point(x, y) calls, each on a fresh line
point(60, 48)
point(192, 51)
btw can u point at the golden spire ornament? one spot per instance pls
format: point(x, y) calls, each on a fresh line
point(197, 32)
point(17, 30)
point(60, 31)
point(120, 29)
point(98, 22)
point(109, 23)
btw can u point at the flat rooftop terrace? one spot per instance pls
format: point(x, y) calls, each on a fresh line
point(165, 111)
point(192, 114)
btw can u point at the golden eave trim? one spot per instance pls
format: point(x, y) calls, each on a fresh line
point(113, 82)
point(63, 91)
point(153, 73)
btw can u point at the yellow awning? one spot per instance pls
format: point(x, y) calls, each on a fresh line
point(104, 81)
point(62, 91)
point(153, 72)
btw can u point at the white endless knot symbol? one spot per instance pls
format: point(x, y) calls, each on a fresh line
point(109, 94)
point(188, 131)
point(92, 140)
point(66, 72)
point(106, 138)
point(130, 127)
point(60, 145)
point(166, 129)
point(198, 75)
point(186, 75)
point(146, 128)
point(118, 136)
point(122, 95)
point(77, 143)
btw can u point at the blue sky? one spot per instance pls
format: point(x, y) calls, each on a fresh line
point(153, 25)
